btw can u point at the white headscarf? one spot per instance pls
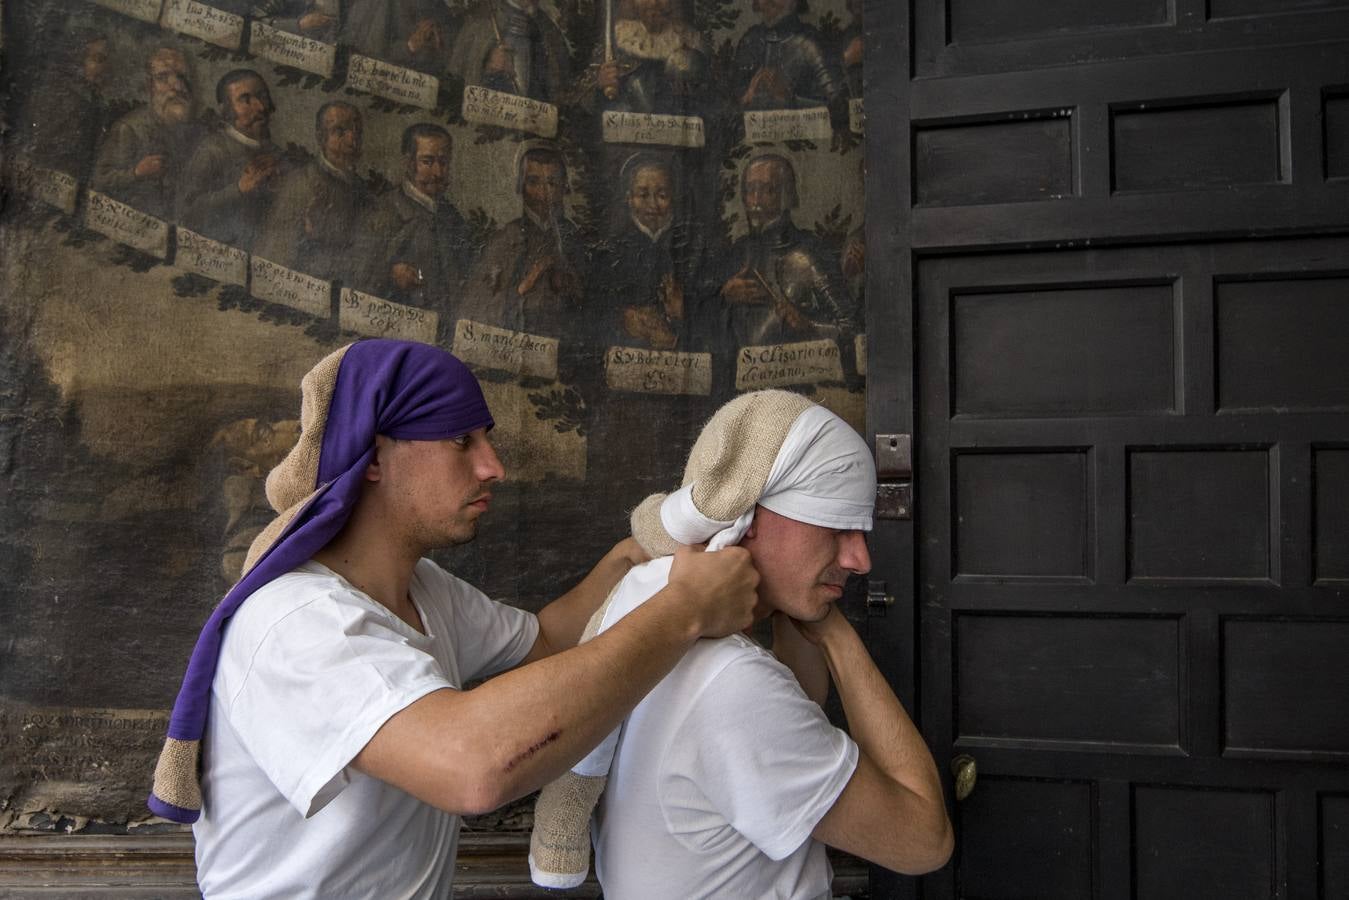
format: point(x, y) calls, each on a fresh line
point(822, 475)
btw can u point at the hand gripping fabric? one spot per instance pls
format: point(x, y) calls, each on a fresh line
point(399, 389)
point(770, 448)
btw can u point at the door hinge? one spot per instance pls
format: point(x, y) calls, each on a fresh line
point(894, 456)
point(894, 474)
point(894, 500)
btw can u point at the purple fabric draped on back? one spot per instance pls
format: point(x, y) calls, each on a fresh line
point(398, 389)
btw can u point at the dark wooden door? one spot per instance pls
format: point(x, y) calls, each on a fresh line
point(1108, 288)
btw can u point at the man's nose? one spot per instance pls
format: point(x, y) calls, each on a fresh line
point(486, 464)
point(852, 552)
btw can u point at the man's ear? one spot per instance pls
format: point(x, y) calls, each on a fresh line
point(374, 471)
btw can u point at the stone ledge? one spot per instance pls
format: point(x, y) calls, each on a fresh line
point(149, 867)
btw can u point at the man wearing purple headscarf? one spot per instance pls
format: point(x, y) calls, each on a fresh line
point(323, 714)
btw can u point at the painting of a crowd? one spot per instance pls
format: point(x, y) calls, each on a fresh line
point(668, 185)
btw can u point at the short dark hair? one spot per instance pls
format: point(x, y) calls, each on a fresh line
point(76, 45)
point(323, 111)
point(231, 77)
point(541, 156)
point(414, 133)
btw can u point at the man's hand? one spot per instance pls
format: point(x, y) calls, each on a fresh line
point(406, 277)
point(721, 588)
point(769, 86)
point(607, 77)
point(744, 290)
point(314, 21)
point(796, 320)
point(501, 61)
point(536, 271)
point(852, 56)
point(425, 37)
point(149, 166)
point(649, 325)
point(258, 172)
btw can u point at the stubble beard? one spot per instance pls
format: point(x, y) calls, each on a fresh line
point(467, 531)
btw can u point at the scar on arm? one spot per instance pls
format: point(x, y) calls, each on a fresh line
point(531, 750)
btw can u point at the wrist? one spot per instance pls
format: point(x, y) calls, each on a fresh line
point(628, 553)
point(682, 607)
point(838, 639)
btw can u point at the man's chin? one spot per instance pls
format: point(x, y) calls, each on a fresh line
point(465, 534)
point(175, 112)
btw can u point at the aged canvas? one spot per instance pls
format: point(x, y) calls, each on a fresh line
point(620, 213)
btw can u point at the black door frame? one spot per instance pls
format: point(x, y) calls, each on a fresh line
point(893, 640)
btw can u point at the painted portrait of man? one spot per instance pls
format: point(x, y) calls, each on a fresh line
point(228, 183)
point(530, 275)
point(318, 221)
point(782, 285)
point(142, 157)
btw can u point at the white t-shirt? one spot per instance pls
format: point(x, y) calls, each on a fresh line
point(309, 670)
point(720, 776)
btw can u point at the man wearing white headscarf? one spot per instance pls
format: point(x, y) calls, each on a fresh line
point(728, 780)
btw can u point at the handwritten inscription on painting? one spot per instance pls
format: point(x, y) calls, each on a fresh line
point(658, 371)
point(376, 317)
point(514, 352)
point(784, 365)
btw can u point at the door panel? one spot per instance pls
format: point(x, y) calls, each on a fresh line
point(1120, 595)
point(1114, 240)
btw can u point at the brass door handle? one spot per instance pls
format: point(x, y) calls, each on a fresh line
point(966, 772)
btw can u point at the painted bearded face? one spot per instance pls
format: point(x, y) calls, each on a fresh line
point(651, 197)
point(764, 199)
point(250, 105)
point(170, 90)
point(429, 167)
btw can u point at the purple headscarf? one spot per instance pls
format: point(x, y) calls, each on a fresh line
point(399, 389)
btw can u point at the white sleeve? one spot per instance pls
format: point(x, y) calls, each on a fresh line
point(489, 637)
point(760, 753)
point(320, 682)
